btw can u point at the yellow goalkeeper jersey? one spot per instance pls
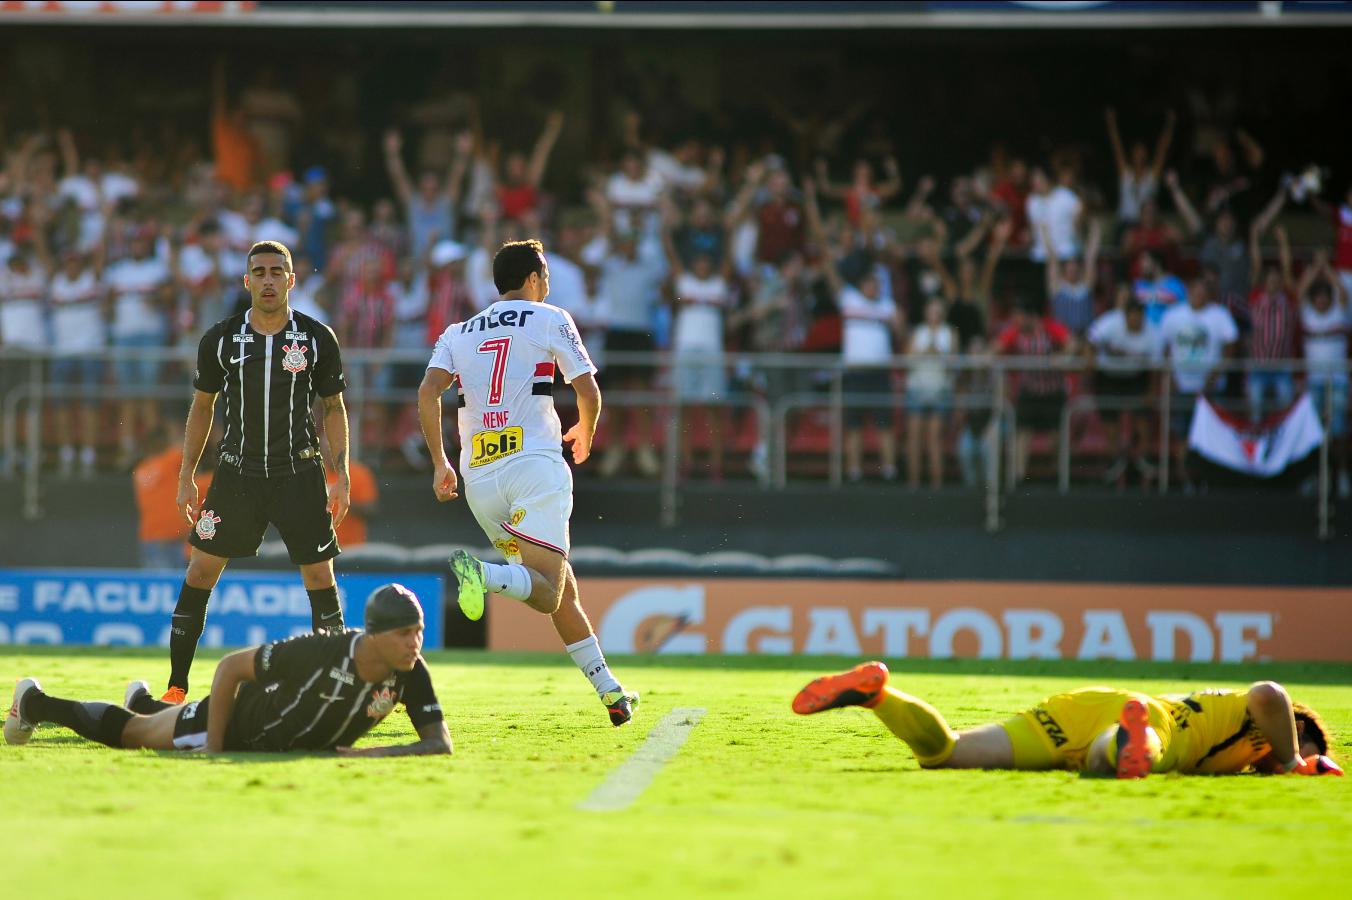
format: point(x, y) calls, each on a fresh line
point(1212, 733)
point(1205, 732)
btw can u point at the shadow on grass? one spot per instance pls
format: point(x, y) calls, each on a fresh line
point(70, 741)
point(1090, 670)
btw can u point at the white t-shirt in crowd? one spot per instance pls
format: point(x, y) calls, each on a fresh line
point(1132, 194)
point(82, 190)
point(302, 296)
point(22, 323)
point(274, 229)
point(568, 288)
point(236, 228)
point(1326, 336)
point(1119, 350)
point(116, 185)
point(1057, 209)
point(195, 265)
point(624, 191)
point(672, 172)
point(77, 313)
point(1195, 339)
point(924, 375)
point(479, 278)
point(132, 283)
point(867, 333)
point(500, 356)
point(699, 313)
point(410, 311)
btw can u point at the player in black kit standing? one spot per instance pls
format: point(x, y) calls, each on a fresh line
point(268, 363)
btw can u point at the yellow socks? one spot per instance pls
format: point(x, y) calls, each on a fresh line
point(918, 724)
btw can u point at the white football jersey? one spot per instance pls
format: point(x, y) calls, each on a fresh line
point(502, 362)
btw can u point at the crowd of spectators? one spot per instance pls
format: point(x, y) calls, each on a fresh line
point(686, 246)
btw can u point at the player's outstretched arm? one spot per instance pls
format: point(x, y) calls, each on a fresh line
point(231, 672)
point(435, 739)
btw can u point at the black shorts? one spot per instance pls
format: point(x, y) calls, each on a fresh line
point(624, 341)
point(238, 509)
point(1106, 385)
point(1040, 412)
point(868, 381)
point(190, 731)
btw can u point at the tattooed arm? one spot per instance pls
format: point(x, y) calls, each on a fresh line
point(335, 429)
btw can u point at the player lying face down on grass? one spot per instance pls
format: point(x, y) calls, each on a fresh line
point(317, 692)
point(1099, 730)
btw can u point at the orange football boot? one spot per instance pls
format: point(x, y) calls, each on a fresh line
point(175, 695)
point(1133, 747)
point(861, 686)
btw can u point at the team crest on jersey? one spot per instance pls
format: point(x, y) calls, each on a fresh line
point(382, 703)
point(294, 360)
point(206, 525)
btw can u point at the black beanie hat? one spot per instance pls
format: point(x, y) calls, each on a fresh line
point(392, 606)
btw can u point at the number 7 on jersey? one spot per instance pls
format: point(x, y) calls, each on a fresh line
point(499, 347)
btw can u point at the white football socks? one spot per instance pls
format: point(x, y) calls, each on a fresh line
point(510, 580)
point(587, 654)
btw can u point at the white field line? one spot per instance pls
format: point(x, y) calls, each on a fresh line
point(631, 779)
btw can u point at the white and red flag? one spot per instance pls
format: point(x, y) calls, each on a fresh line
point(1263, 448)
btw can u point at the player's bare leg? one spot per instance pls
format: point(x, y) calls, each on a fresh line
point(645, 457)
point(152, 732)
point(548, 570)
point(983, 747)
point(934, 438)
point(854, 454)
point(887, 451)
point(575, 630)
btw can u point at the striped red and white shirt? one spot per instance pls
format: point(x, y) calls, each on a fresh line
point(1046, 337)
point(1272, 318)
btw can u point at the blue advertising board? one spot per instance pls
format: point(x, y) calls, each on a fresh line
point(132, 608)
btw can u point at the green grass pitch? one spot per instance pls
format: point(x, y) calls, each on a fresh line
point(759, 802)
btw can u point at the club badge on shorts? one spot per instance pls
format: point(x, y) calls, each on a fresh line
point(294, 360)
point(206, 525)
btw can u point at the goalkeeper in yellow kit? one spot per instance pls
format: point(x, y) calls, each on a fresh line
point(1099, 730)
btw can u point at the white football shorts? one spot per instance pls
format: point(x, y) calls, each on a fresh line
point(529, 499)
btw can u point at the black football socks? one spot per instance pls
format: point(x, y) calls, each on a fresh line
point(190, 617)
point(102, 722)
point(326, 616)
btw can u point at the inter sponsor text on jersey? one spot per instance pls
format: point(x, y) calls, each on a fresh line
point(503, 362)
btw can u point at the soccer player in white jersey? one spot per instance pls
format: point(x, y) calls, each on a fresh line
point(516, 481)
